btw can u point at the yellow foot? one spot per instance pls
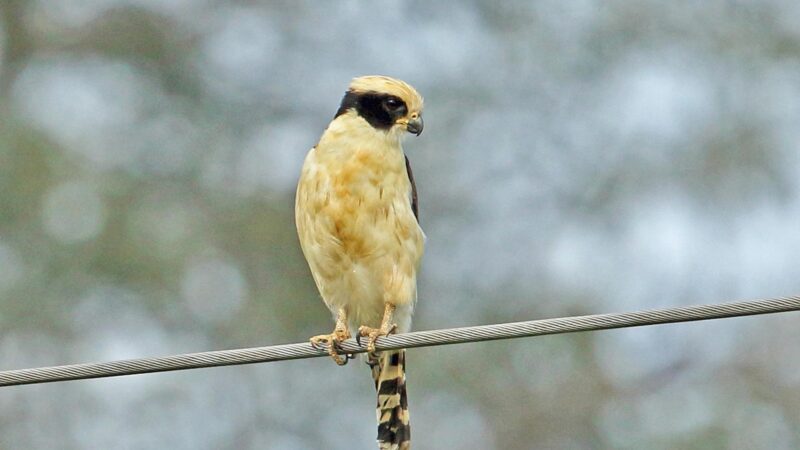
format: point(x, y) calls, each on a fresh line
point(372, 334)
point(332, 341)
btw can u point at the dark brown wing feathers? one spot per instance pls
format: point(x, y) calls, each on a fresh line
point(414, 205)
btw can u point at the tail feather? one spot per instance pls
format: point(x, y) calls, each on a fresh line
point(389, 374)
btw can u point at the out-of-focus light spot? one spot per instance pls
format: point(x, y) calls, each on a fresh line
point(628, 355)
point(273, 156)
point(167, 143)
point(112, 323)
point(73, 212)
point(454, 424)
point(101, 112)
point(579, 257)
point(764, 252)
point(11, 267)
point(238, 58)
point(453, 58)
point(89, 105)
point(676, 410)
point(658, 100)
point(213, 289)
point(167, 225)
point(661, 237)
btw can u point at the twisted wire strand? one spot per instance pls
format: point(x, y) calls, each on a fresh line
point(405, 340)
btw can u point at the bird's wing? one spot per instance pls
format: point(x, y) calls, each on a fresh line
point(414, 204)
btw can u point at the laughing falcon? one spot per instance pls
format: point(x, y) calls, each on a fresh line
point(356, 215)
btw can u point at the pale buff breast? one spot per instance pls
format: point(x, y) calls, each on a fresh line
point(356, 226)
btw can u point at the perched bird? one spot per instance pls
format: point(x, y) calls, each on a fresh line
point(356, 215)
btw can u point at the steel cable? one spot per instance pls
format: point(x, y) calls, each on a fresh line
point(405, 340)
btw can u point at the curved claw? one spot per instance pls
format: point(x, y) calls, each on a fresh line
point(339, 351)
point(340, 359)
point(332, 342)
point(373, 334)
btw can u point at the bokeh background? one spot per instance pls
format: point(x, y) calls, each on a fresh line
point(578, 157)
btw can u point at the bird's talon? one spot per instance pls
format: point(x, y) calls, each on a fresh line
point(373, 334)
point(317, 340)
point(333, 343)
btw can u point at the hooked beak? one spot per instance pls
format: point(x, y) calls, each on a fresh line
point(415, 125)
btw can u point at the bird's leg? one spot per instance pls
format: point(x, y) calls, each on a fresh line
point(372, 334)
point(332, 341)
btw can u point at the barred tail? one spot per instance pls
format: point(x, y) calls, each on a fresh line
point(389, 373)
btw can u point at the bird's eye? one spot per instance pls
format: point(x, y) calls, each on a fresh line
point(393, 103)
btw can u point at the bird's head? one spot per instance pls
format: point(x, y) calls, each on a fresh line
point(387, 104)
